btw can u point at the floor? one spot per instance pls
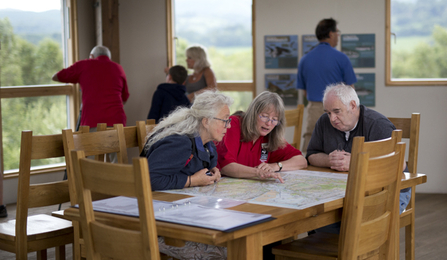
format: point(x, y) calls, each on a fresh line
point(431, 229)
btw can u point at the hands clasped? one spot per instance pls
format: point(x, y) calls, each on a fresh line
point(202, 179)
point(339, 160)
point(267, 170)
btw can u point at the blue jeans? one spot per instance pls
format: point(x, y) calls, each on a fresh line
point(404, 199)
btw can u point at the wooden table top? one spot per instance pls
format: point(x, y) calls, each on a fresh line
point(288, 221)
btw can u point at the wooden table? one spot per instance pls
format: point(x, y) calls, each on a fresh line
point(247, 243)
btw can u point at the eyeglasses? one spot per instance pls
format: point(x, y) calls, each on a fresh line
point(266, 119)
point(227, 122)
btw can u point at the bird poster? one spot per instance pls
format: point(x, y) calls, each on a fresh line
point(366, 88)
point(284, 85)
point(310, 41)
point(281, 51)
point(360, 49)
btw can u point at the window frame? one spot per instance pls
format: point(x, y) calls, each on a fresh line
point(70, 90)
point(401, 82)
point(237, 86)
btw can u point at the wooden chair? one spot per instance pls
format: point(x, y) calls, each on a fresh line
point(38, 232)
point(369, 227)
point(294, 118)
point(94, 144)
point(143, 129)
point(410, 130)
point(105, 239)
point(135, 135)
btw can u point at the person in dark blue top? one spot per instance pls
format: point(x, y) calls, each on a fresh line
point(181, 151)
point(169, 95)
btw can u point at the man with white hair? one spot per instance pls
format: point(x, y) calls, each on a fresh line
point(104, 87)
point(344, 118)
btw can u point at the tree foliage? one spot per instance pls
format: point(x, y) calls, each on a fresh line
point(23, 63)
point(425, 61)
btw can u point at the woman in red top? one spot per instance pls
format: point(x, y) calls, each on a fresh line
point(255, 145)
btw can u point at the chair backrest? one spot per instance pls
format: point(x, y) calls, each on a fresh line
point(102, 239)
point(410, 130)
point(294, 118)
point(94, 144)
point(37, 195)
point(135, 135)
point(143, 129)
point(371, 206)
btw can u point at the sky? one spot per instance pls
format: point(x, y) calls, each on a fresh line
point(31, 5)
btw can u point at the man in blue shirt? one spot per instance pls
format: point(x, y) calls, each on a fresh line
point(320, 67)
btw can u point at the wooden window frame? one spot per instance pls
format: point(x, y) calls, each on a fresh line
point(70, 90)
point(238, 86)
point(401, 82)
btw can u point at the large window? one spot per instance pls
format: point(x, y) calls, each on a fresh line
point(224, 28)
point(416, 35)
point(34, 46)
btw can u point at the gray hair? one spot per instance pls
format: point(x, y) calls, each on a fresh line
point(198, 54)
point(100, 50)
point(188, 121)
point(343, 92)
point(249, 120)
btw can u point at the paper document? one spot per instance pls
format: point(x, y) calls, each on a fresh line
point(184, 213)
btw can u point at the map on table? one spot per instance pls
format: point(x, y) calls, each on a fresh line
point(301, 189)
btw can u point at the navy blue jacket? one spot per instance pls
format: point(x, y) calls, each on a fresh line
point(170, 163)
point(166, 98)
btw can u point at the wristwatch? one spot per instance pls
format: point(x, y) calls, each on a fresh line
point(280, 166)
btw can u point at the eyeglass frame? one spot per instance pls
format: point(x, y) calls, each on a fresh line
point(227, 122)
point(274, 121)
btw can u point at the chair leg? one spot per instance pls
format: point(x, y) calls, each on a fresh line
point(409, 240)
point(42, 254)
point(60, 252)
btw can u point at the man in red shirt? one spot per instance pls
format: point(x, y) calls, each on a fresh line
point(103, 85)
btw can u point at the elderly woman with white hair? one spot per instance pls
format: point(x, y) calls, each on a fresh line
point(181, 151)
point(203, 77)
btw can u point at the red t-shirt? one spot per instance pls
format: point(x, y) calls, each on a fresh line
point(104, 89)
point(233, 150)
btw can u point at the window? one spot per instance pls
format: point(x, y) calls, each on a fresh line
point(34, 47)
point(224, 28)
point(416, 36)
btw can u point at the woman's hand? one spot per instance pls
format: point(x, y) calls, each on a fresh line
point(200, 178)
point(216, 173)
point(265, 170)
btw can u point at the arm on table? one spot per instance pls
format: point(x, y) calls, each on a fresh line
point(237, 170)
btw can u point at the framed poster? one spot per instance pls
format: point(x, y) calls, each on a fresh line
point(310, 41)
point(366, 88)
point(360, 48)
point(284, 85)
point(281, 51)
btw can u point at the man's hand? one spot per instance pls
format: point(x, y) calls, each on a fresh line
point(339, 160)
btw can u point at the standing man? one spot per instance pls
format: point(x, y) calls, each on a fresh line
point(103, 85)
point(320, 67)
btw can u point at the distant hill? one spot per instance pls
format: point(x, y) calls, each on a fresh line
point(34, 26)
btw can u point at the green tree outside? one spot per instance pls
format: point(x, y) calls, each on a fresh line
point(24, 63)
point(425, 61)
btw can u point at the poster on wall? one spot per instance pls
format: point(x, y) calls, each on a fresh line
point(360, 48)
point(284, 85)
point(310, 41)
point(366, 88)
point(281, 51)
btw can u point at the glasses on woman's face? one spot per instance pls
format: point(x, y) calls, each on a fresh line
point(266, 119)
point(227, 122)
